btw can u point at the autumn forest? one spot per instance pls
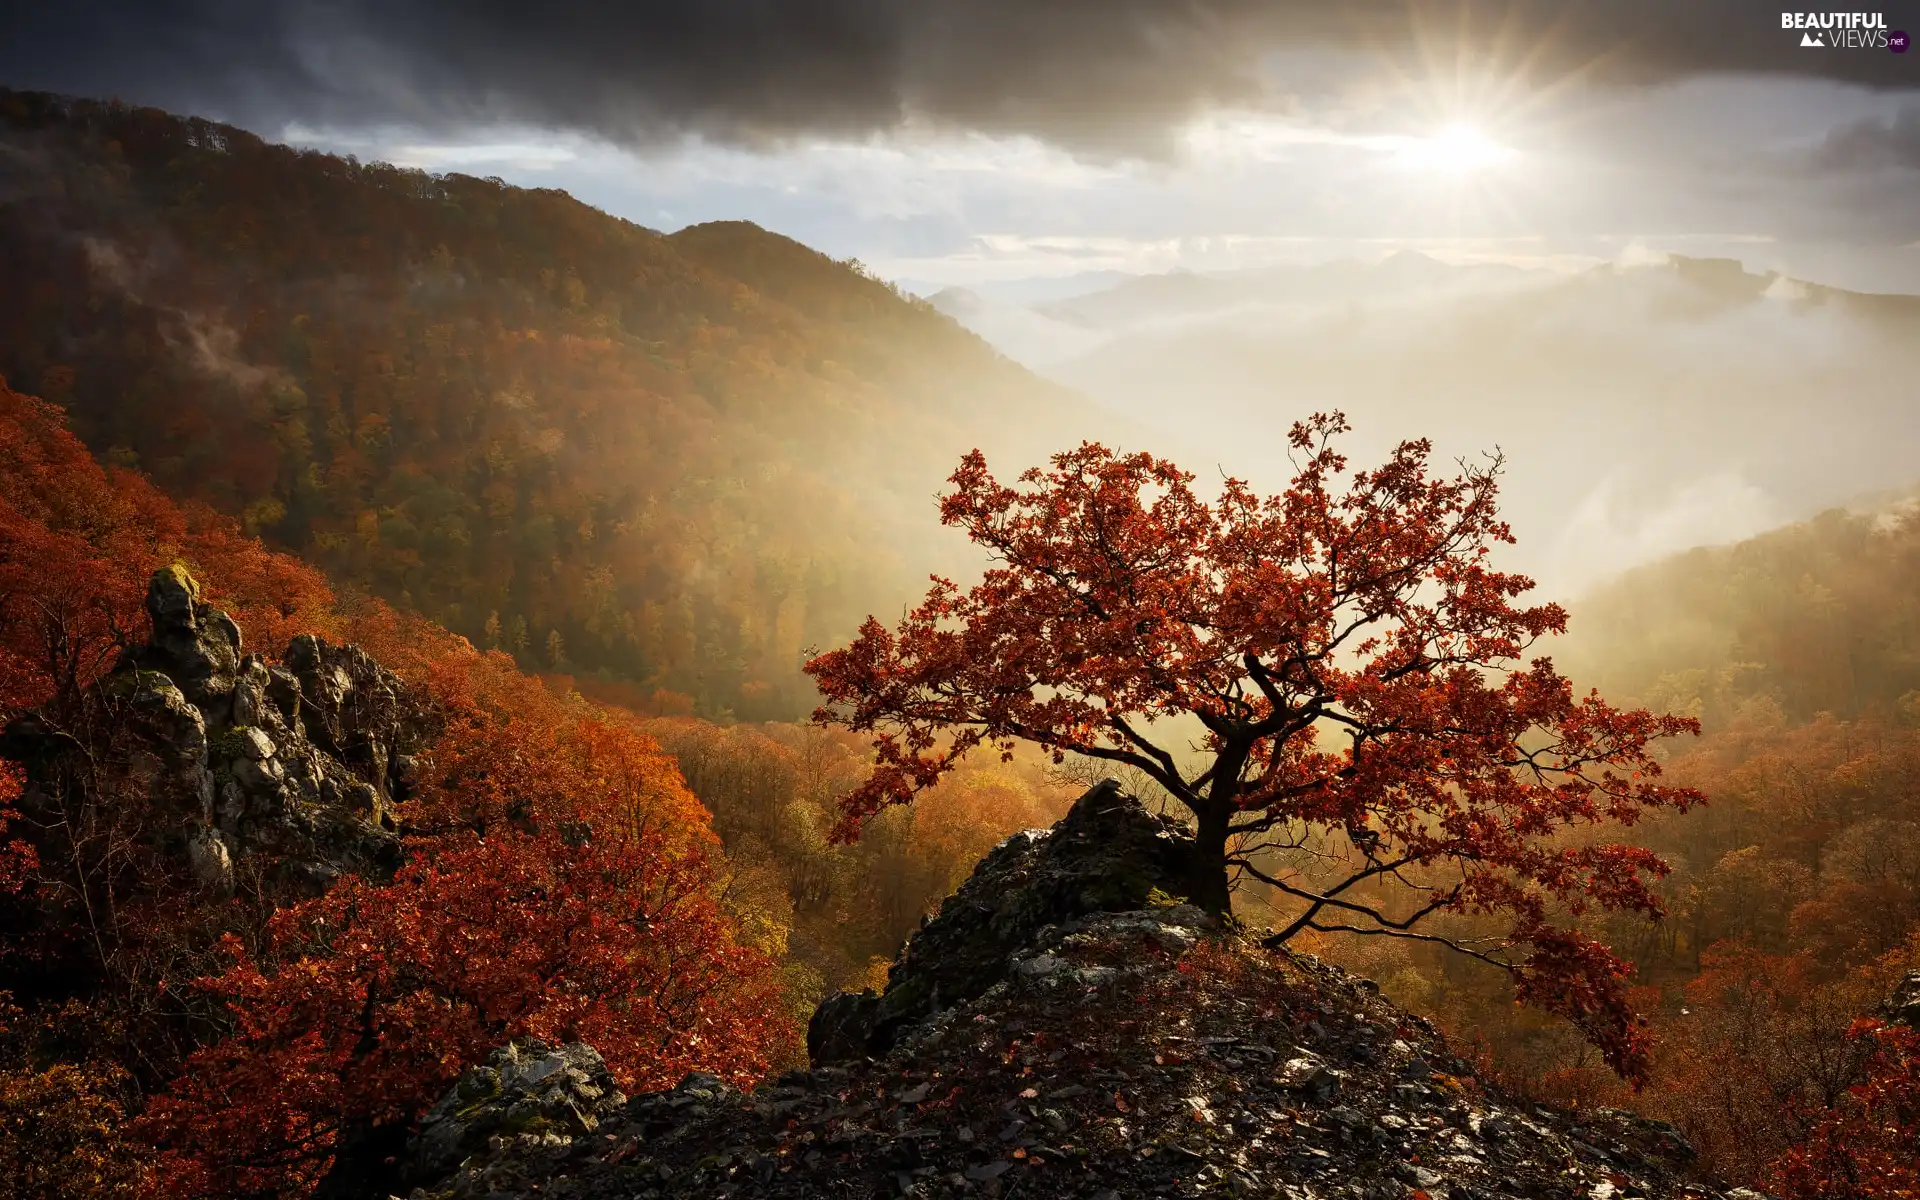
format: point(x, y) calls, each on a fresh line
point(658, 732)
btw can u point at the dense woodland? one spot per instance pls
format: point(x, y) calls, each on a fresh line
point(229, 1021)
point(593, 491)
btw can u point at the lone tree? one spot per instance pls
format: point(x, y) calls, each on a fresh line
point(1330, 681)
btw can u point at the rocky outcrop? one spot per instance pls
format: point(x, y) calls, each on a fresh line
point(1902, 1006)
point(287, 770)
point(1108, 854)
point(528, 1100)
point(1132, 1051)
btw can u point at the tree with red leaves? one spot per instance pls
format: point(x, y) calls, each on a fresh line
point(380, 996)
point(1330, 682)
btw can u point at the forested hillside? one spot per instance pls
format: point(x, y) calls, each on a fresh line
point(259, 977)
point(1795, 893)
point(672, 460)
point(1817, 617)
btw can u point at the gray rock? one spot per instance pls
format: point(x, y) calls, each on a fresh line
point(250, 703)
point(209, 860)
point(842, 1026)
point(253, 743)
point(525, 1090)
point(193, 644)
point(358, 711)
point(1903, 1003)
point(215, 745)
point(165, 743)
point(1108, 854)
point(1301, 1071)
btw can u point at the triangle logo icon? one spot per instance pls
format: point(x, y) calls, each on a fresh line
point(1812, 39)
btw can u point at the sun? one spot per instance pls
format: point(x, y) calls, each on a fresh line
point(1457, 148)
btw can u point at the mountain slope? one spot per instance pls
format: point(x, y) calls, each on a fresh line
point(1815, 617)
point(677, 460)
point(183, 810)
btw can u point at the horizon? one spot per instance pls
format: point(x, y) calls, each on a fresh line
point(1220, 135)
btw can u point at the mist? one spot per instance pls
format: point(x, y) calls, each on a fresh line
point(1643, 406)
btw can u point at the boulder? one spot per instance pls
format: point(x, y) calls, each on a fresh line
point(193, 644)
point(209, 860)
point(527, 1096)
point(1903, 1002)
point(357, 711)
point(1108, 854)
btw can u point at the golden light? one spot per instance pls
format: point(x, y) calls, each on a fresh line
point(1457, 148)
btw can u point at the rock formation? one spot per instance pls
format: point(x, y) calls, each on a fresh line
point(1065, 1028)
point(288, 769)
point(1902, 1006)
point(528, 1092)
point(1107, 855)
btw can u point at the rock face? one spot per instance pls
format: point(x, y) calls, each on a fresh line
point(1107, 855)
point(1104, 1053)
point(1903, 1003)
point(528, 1097)
point(285, 769)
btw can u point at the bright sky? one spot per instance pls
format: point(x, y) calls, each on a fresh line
point(956, 141)
point(1736, 167)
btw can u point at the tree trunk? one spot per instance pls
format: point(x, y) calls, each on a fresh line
point(1208, 870)
point(365, 1162)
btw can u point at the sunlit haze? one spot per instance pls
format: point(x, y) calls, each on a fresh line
point(1016, 176)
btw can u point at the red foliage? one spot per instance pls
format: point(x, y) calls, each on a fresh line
point(1756, 1052)
point(1368, 616)
point(18, 861)
point(77, 544)
point(588, 911)
point(1867, 1146)
point(380, 996)
point(94, 910)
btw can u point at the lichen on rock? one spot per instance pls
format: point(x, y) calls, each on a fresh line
point(528, 1097)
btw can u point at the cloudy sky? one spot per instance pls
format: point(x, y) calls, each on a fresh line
point(969, 141)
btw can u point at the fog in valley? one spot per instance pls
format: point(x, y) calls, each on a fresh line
point(1644, 406)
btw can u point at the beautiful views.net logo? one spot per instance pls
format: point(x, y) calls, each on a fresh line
point(1844, 31)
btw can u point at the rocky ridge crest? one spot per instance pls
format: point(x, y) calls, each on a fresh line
point(1062, 1028)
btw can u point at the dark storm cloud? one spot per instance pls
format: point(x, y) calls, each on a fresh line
point(1087, 73)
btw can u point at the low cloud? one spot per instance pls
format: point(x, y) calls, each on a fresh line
point(1874, 143)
